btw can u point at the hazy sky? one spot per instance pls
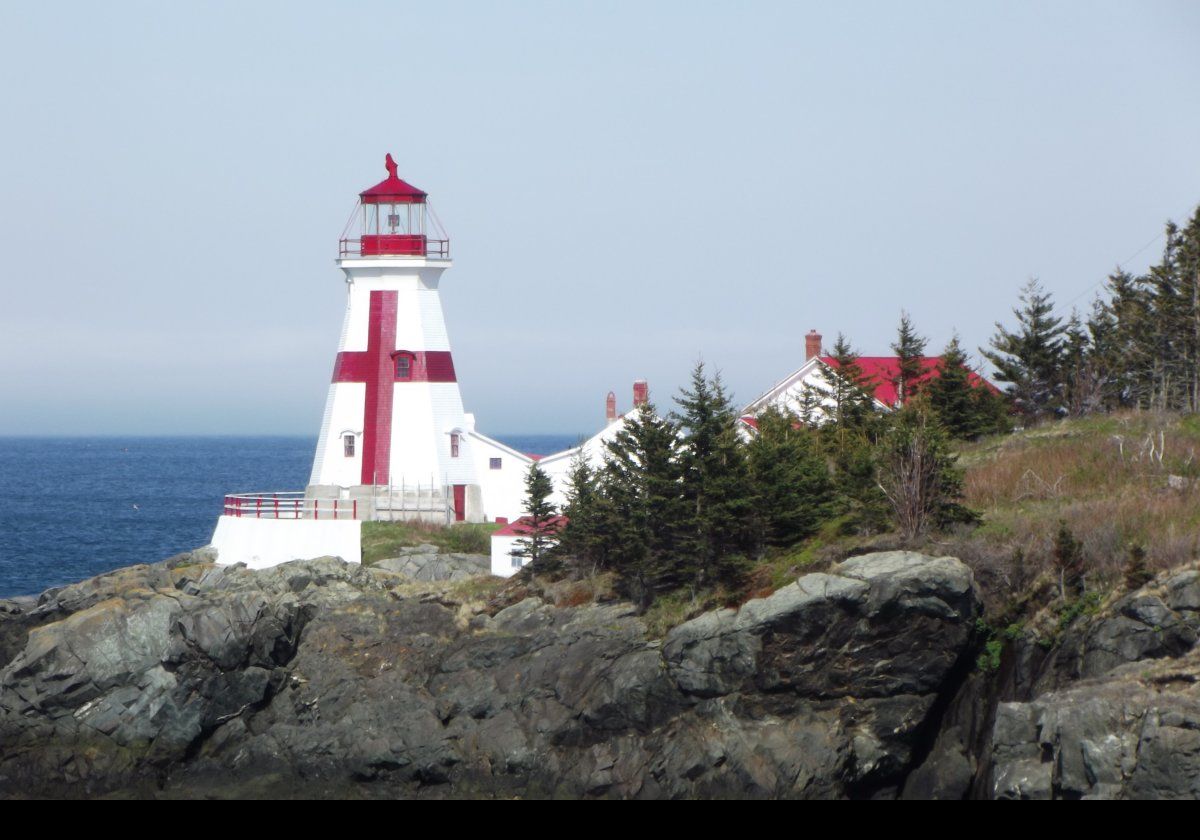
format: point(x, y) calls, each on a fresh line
point(629, 187)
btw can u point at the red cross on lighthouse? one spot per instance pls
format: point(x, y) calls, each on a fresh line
point(380, 367)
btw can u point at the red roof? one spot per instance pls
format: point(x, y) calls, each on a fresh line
point(882, 370)
point(392, 190)
point(523, 527)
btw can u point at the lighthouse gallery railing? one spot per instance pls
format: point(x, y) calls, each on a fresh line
point(288, 505)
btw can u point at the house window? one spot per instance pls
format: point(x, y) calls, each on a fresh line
point(348, 445)
point(517, 561)
point(454, 445)
point(494, 463)
point(404, 366)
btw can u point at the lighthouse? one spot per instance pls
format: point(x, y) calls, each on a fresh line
point(395, 443)
point(394, 434)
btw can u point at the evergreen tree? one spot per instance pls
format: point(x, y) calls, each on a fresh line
point(1130, 308)
point(848, 403)
point(643, 508)
point(717, 531)
point(808, 405)
point(965, 410)
point(1030, 359)
point(1105, 385)
point(589, 517)
point(1069, 560)
point(917, 473)
point(849, 433)
point(540, 535)
point(793, 492)
point(910, 356)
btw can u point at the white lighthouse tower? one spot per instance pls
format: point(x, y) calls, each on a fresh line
point(395, 443)
point(393, 437)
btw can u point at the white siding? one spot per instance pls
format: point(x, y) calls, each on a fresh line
point(503, 489)
point(260, 543)
point(502, 559)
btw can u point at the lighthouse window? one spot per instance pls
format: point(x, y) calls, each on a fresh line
point(403, 367)
point(453, 446)
point(348, 445)
point(494, 463)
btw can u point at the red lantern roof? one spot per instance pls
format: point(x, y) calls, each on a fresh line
point(392, 190)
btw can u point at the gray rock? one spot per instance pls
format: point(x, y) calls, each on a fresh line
point(1183, 592)
point(431, 567)
point(1132, 733)
point(321, 678)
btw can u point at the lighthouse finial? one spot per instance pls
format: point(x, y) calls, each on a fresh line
point(391, 166)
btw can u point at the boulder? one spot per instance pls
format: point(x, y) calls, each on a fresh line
point(320, 678)
point(429, 566)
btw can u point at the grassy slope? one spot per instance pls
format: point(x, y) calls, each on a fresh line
point(385, 539)
point(1105, 477)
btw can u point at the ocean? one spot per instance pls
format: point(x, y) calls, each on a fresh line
point(84, 506)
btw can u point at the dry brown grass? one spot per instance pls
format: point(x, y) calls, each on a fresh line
point(1107, 478)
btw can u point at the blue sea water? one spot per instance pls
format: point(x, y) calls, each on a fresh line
point(79, 507)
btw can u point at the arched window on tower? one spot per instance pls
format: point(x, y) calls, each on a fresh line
point(404, 365)
point(454, 444)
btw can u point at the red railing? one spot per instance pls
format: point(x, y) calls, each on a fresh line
point(434, 248)
point(288, 505)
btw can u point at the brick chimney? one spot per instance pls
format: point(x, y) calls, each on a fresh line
point(641, 392)
point(610, 407)
point(812, 345)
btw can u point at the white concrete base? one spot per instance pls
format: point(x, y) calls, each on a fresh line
point(260, 543)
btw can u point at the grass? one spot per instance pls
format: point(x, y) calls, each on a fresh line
point(1106, 478)
point(385, 539)
point(781, 566)
point(670, 611)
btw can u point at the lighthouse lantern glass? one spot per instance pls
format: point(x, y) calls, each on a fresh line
point(394, 219)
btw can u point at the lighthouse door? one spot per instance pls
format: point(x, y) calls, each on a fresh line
point(460, 502)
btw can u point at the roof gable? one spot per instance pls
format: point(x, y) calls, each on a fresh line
point(523, 527)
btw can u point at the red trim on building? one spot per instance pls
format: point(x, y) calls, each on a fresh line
point(523, 527)
point(376, 367)
point(427, 366)
point(403, 244)
point(392, 190)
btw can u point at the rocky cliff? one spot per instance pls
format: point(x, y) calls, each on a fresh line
point(319, 678)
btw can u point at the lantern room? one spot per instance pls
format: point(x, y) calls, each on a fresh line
point(395, 220)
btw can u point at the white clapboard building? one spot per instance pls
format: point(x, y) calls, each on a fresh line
point(816, 377)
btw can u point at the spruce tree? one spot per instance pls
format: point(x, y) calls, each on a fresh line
point(1081, 378)
point(1131, 308)
point(1030, 358)
point(643, 507)
point(964, 409)
point(848, 402)
point(909, 348)
point(585, 536)
point(793, 492)
point(1106, 383)
point(848, 434)
point(717, 529)
point(540, 536)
